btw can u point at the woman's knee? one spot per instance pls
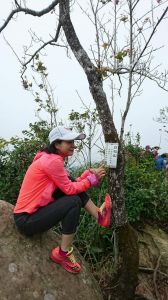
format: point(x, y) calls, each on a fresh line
point(76, 201)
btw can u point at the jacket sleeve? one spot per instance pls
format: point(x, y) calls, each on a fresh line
point(56, 172)
point(83, 175)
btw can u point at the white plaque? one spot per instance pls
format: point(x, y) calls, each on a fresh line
point(111, 154)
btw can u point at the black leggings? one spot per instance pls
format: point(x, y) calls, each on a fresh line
point(64, 208)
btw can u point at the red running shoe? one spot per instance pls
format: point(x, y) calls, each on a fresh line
point(104, 212)
point(68, 262)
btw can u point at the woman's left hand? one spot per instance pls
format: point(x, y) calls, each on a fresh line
point(99, 172)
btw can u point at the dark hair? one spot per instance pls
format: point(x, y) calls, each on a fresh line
point(51, 147)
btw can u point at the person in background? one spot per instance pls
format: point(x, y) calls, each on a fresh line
point(160, 162)
point(147, 152)
point(166, 169)
point(48, 195)
point(155, 151)
point(148, 149)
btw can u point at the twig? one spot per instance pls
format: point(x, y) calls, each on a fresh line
point(12, 49)
point(155, 277)
point(150, 271)
point(153, 31)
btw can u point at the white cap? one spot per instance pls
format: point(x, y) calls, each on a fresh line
point(65, 134)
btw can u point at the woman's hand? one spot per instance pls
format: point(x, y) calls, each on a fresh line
point(99, 172)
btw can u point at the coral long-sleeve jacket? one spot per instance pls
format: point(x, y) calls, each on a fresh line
point(44, 175)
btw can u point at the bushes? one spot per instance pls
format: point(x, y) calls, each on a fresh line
point(15, 157)
point(146, 196)
point(146, 190)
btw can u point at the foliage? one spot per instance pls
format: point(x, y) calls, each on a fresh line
point(15, 157)
point(145, 189)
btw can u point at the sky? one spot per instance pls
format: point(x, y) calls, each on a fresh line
point(67, 77)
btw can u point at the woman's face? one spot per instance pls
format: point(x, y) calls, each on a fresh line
point(66, 148)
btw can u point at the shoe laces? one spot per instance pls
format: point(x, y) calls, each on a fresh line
point(102, 209)
point(70, 256)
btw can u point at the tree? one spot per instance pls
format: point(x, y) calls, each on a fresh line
point(42, 91)
point(87, 121)
point(125, 275)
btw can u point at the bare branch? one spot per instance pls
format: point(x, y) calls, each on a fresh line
point(50, 42)
point(153, 32)
point(150, 270)
point(28, 12)
point(129, 96)
point(12, 49)
point(150, 11)
point(153, 78)
point(135, 4)
point(95, 11)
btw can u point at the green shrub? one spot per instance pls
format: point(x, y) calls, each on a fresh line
point(146, 190)
point(15, 157)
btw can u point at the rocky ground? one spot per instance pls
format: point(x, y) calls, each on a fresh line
point(153, 266)
point(27, 272)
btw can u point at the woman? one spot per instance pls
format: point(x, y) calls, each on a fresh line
point(48, 195)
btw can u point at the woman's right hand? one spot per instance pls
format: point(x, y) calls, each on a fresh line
point(99, 172)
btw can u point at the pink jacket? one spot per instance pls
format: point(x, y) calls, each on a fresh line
point(44, 175)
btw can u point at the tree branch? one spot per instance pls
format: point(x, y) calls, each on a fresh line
point(150, 270)
point(153, 31)
point(50, 42)
point(135, 4)
point(29, 12)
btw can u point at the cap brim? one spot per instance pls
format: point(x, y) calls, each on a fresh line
point(73, 136)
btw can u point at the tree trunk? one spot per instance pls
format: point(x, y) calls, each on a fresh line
point(125, 276)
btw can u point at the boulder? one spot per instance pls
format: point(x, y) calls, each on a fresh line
point(27, 273)
point(153, 243)
point(153, 263)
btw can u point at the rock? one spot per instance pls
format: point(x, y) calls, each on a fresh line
point(27, 273)
point(153, 255)
point(153, 242)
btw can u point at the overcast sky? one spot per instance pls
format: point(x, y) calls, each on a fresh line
point(66, 76)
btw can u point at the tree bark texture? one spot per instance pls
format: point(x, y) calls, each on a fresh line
point(125, 276)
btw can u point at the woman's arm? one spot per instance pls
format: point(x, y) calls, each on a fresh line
point(54, 168)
